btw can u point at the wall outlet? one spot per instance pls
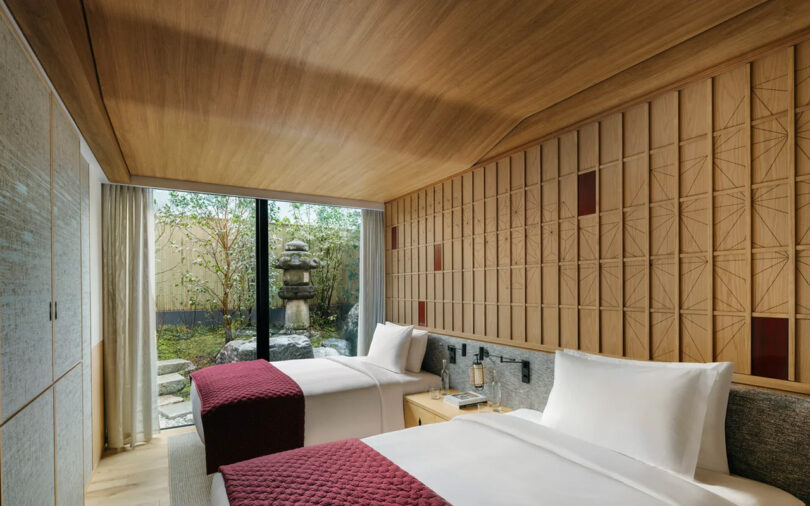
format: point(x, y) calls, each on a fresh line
point(451, 351)
point(525, 371)
point(463, 349)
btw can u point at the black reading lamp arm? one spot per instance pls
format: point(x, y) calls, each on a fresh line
point(525, 366)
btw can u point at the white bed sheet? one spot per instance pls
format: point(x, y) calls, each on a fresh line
point(345, 397)
point(536, 464)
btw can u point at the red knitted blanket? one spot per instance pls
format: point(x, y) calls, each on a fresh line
point(341, 472)
point(248, 409)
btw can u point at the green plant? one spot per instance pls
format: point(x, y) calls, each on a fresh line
point(216, 235)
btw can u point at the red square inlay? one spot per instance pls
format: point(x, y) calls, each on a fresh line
point(437, 257)
point(393, 237)
point(421, 313)
point(586, 194)
point(769, 347)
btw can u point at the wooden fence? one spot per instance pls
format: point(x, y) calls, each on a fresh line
point(170, 264)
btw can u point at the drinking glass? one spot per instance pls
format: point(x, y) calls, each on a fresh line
point(495, 397)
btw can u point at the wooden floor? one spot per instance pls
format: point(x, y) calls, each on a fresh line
point(134, 477)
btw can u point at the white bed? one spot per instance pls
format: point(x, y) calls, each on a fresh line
point(500, 459)
point(345, 397)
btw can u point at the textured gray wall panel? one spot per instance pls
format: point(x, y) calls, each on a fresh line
point(67, 246)
point(768, 439)
point(86, 338)
point(28, 453)
point(514, 393)
point(69, 440)
point(25, 228)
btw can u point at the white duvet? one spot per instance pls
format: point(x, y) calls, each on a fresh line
point(345, 397)
point(491, 459)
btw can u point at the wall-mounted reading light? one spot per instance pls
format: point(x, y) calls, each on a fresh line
point(525, 373)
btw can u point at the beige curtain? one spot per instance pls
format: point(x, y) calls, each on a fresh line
point(372, 278)
point(130, 355)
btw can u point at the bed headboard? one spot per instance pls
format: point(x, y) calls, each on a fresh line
point(768, 439)
point(767, 433)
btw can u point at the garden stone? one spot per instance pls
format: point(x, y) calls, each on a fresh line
point(237, 351)
point(290, 347)
point(324, 352)
point(174, 365)
point(339, 345)
point(284, 347)
point(168, 399)
point(180, 421)
point(172, 411)
point(247, 351)
point(170, 383)
point(350, 325)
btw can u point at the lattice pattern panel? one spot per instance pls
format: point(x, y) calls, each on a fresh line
point(658, 233)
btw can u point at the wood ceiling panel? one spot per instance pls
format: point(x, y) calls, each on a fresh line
point(752, 33)
point(57, 33)
point(366, 99)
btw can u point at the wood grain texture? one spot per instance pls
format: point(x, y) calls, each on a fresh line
point(737, 40)
point(58, 35)
point(136, 476)
point(360, 99)
point(700, 225)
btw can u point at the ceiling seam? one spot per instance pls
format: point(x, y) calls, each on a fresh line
point(100, 90)
point(483, 159)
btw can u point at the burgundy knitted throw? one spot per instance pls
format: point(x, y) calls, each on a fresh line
point(341, 472)
point(248, 409)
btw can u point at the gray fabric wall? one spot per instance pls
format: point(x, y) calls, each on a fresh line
point(767, 433)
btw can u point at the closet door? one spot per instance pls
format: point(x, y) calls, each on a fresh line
point(25, 230)
point(67, 284)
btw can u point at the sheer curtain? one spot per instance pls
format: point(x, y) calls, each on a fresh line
point(130, 355)
point(372, 278)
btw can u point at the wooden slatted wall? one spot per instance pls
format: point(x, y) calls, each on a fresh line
point(678, 229)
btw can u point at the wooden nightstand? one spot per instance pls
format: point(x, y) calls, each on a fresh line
point(420, 409)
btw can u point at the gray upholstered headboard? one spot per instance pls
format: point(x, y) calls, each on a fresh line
point(768, 439)
point(767, 433)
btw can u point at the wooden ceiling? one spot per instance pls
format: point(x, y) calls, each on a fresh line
point(364, 99)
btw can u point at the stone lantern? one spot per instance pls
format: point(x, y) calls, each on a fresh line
point(296, 262)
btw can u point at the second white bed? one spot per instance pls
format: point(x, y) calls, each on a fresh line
point(499, 459)
point(345, 397)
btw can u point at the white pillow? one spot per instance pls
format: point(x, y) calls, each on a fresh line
point(712, 454)
point(652, 414)
point(416, 352)
point(389, 347)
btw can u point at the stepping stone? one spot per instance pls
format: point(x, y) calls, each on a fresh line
point(325, 352)
point(172, 411)
point(174, 365)
point(169, 399)
point(170, 383)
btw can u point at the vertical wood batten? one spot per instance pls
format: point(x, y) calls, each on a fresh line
point(677, 222)
point(791, 143)
point(647, 273)
point(706, 188)
point(710, 219)
point(749, 231)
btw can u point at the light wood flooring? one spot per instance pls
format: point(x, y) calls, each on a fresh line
point(134, 477)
